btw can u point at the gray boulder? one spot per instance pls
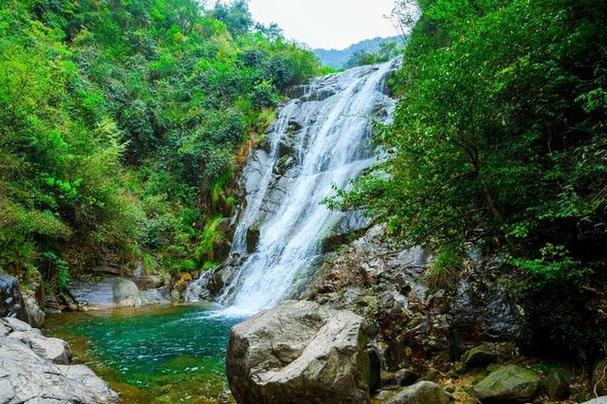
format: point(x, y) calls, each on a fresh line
point(36, 369)
point(299, 352)
point(35, 314)
point(421, 393)
point(112, 292)
point(514, 384)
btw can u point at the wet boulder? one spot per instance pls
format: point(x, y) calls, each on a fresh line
point(513, 384)
point(299, 352)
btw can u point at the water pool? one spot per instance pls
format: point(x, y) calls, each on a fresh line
point(169, 354)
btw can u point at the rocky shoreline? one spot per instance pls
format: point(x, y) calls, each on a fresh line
point(368, 323)
point(36, 369)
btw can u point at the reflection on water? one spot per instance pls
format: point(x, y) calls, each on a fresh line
point(173, 354)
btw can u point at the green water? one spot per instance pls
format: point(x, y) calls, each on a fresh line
point(173, 354)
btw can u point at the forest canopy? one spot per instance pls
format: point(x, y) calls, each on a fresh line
point(500, 147)
point(121, 126)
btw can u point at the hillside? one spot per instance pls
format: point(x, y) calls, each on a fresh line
point(338, 58)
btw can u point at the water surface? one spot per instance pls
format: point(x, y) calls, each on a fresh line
point(170, 354)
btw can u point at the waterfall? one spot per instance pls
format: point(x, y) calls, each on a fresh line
point(319, 141)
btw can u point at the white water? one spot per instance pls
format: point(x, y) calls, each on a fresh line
point(332, 147)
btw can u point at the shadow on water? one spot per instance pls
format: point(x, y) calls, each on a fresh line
point(161, 354)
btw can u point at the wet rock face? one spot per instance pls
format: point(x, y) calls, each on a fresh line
point(11, 301)
point(299, 352)
point(114, 292)
point(384, 282)
point(38, 369)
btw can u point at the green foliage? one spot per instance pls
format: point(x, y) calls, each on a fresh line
point(444, 268)
point(56, 271)
point(499, 141)
point(235, 15)
point(120, 123)
point(387, 51)
point(210, 236)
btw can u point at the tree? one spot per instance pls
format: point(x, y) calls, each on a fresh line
point(235, 15)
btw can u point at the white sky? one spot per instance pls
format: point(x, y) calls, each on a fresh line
point(327, 23)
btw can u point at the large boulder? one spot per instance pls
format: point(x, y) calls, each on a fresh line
point(37, 369)
point(299, 352)
point(512, 383)
point(421, 393)
point(112, 292)
point(11, 301)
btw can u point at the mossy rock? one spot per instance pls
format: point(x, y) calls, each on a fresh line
point(510, 383)
point(479, 356)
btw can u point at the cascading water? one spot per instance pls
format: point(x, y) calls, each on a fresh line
point(320, 141)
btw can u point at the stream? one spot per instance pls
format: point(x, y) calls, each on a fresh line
point(160, 354)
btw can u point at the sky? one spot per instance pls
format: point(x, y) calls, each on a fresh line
point(327, 23)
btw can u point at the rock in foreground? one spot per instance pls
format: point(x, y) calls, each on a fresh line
point(299, 352)
point(512, 384)
point(36, 369)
